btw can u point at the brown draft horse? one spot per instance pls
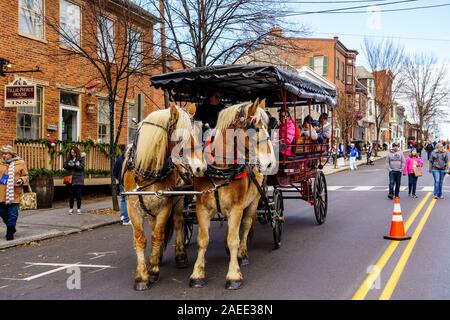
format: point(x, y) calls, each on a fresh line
point(238, 200)
point(149, 168)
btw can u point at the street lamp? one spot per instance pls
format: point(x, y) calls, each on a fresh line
point(4, 65)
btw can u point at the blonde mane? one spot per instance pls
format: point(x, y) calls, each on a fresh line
point(228, 116)
point(153, 140)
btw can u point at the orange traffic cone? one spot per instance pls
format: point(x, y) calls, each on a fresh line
point(397, 227)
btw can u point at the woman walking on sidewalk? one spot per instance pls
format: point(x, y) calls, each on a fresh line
point(413, 168)
point(75, 167)
point(438, 166)
point(13, 176)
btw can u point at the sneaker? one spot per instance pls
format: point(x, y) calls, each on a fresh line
point(126, 223)
point(441, 197)
point(414, 196)
point(78, 211)
point(390, 196)
point(435, 197)
point(70, 211)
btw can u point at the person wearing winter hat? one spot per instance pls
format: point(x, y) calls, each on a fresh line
point(13, 176)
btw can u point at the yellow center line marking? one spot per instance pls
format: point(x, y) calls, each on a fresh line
point(395, 277)
point(362, 291)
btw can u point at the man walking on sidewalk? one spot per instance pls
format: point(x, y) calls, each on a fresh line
point(353, 154)
point(395, 161)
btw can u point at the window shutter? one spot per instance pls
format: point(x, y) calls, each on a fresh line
point(325, 65)
point(311, 62)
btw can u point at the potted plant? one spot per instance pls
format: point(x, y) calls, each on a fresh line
point(41, 182)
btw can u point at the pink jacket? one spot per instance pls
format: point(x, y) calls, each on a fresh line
point(409, 166)
point(287, 135)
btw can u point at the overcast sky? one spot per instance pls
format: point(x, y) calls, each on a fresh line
point(421, 30)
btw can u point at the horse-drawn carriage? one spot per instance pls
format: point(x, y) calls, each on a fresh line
point(247, 182)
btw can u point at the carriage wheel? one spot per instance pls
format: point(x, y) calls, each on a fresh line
point(277, 217)
point(320, 197)
point(188, 231)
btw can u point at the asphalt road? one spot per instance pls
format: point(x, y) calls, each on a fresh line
point(330, 261)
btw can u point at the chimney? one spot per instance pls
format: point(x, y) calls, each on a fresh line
point(276, 31)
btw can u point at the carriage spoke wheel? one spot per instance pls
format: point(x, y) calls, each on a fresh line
point(188, 231)
point(320, 197)
point(277, 217)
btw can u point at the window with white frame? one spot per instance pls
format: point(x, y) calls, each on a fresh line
point(105, 38)
point(134, 48)
point(29, 119)
point(103, 121)
point(31, 18)
point(349, 75)
point(70, 24)
point(320, 65)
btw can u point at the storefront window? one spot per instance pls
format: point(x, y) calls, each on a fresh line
point(29, 119)
point(31, 18)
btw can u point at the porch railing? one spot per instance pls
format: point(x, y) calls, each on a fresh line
point(39, 156)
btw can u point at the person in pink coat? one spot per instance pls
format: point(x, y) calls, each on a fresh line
point(412, 162)
point(286, 132)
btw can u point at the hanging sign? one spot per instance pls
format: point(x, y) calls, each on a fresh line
point(20, 94)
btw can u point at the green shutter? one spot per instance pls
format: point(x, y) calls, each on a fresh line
point(325, 65)
point(311, 62)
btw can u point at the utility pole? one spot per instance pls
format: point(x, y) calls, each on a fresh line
point(162, 26)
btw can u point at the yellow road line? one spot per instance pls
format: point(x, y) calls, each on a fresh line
point(395, 277)
point(362, 291)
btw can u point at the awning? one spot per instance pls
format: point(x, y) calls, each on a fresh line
point(243, 82)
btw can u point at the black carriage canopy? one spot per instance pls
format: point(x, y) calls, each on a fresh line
point(244, 82)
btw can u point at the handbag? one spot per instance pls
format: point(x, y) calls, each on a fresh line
point(67, 180)
point(28, 200)
point(418, 172)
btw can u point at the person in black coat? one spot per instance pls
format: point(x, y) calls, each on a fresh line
point(75, 167)
point(208, 112)
point(117, 173)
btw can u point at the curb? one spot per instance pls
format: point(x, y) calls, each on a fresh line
point(57, 234)
point(348, 168)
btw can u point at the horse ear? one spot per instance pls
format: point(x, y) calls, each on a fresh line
point(253, 107)
point(173, 113)
point(262, 104)
point(191, 108)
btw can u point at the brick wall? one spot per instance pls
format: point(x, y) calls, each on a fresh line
point(59, 73)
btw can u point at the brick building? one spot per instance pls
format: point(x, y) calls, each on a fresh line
point(329, 58)
point(64, 109)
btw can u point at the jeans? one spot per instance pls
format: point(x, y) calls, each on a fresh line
point(412, 183)
point(438, 176)
point(9, 213)
point(123, 206)
point(429, 154)
point(75, 192)
point(395, 177)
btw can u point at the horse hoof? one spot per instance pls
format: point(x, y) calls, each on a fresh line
point(154, 277)
point(233, 284)
point(244, 262)
point(197, 283)
point(141, 286)
point(181, 263)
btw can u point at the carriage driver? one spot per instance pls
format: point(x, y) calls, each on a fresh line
point(208, 112)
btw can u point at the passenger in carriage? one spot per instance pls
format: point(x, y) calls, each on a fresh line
point(286, 131)
point(324, 129)
point(308, 129)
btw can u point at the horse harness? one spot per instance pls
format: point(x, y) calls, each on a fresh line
point(155, 176)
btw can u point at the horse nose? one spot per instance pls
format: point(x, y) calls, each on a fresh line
point(198, 170)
